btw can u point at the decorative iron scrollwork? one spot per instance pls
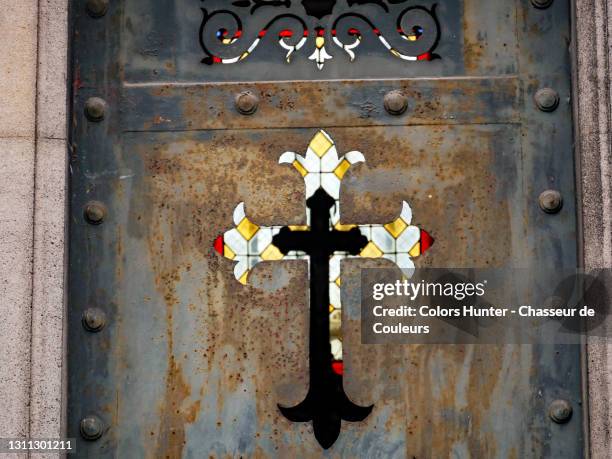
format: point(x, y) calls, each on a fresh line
point(221, 31)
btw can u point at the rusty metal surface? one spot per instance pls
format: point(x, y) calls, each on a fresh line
point(307, 103)
point(192, 364)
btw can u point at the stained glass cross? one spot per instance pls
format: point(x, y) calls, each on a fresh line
point(324, 241)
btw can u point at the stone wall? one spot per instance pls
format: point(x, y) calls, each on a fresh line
point(594, 132)
point(33, 132)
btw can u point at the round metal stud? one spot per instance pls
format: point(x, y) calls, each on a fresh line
point(550, 201)
point(95, 212)
point(560, 411)
point(94, 319)
point(547, 99)
point(541, 4)
point(247, 103)
point(395, 102)
point(91, 427)
point(95, 109)
point(97, 8)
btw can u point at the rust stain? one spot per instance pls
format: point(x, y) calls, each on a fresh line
point(313, 104)
point(175, 415)
point(254, 340)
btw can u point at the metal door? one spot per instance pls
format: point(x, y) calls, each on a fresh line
point(181, 111)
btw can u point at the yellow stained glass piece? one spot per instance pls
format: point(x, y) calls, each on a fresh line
point(243, 278)
point(271, 253)
point(320, 144)
point(298, 227)
point(244, 55)
point(331, 308)
point(341, 227)
point(319, 42)
point(397, 227)
point(371, 251)
point(228, 253)
point(300, 168)
point(394, 52)
point(338, 282)
point(247, 228)
point(415, 251)
point(342, 168)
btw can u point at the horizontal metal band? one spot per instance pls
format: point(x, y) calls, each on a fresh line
point(439, 101)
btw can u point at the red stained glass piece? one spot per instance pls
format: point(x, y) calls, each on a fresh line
point(424, 57)
point(286, 33)
point(216, 60)
point(426, 241)
point(353, 32)
point(338, 367)
point(218, 245)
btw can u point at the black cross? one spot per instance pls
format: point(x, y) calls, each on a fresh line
point(326, 403)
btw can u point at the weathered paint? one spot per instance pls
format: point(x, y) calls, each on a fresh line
point(191, 364)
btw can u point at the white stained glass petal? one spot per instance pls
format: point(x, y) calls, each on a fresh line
point(334, 295)
point(252, 261)
point(392, 257)
point(311, 162)
point(260, 241)
point(287, 158)
point(234, 240)
point(336, 348)
point(313, 183)
point(405, 263)
point(239, 214)
point(330, 160)
point(334, 267)
point(331, 184)
point(406, 212)
point(407, 239)
point(383, 240)
point(354, 157)
point(366, 230)
point(240, 268)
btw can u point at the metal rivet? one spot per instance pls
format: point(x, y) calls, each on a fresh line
point(97, 8)
point(94, 319)
point(247, 103)
point(95, 109)
point(395, 102)
point(550, 201)
point(560, 411)
point(95, 212)
point(91, 427)
point(541, 4)
point(547, 99)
